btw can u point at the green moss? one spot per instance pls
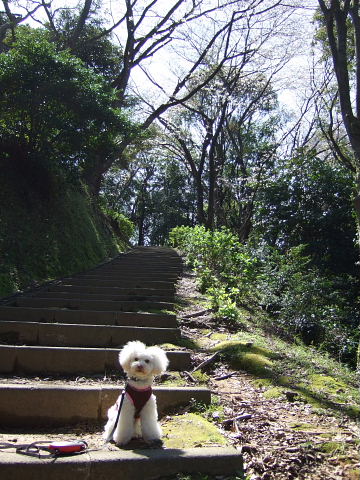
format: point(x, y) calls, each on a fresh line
point(327, 384)
point(188, 343)
point(263, 382)
point(333, 447)
point(174, 379)
point(219, 336)
point(274, 392)
point(201, 377)
point(302, 427)
point(46, 238)
point(191, 430)
point(248, 347)
point(169, 346)
point(247, 356)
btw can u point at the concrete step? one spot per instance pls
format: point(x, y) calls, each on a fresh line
point(22, 360)
point(86, 304)
point(72, 335)
point(130, 272)
point(35, 405)
point(133, 291)
point(122, 282)
point(93, 317)
point(131, 265)
point(64, 293)
point(149, 464)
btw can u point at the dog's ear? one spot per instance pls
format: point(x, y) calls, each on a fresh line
point(128, 352)
point(159, 359)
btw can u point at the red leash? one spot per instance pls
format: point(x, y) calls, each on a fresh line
point(55, 449)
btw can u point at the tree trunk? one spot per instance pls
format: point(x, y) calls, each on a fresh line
point(199, 189)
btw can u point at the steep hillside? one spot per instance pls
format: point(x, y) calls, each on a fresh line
point(48, 230)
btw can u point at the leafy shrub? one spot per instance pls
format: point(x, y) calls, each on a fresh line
point(217, 256)
point(122, 225)
point(299, 299)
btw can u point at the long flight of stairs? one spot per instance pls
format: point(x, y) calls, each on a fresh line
point(76, 327)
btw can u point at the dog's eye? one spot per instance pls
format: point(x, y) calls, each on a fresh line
point(147, 361)
point(136, 359)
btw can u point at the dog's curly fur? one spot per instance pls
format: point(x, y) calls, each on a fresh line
point(141, 364)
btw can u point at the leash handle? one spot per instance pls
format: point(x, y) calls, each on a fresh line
point(54, 448)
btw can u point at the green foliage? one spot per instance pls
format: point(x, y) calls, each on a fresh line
point(307, 194)
point(220, 260)
point(120, 223)
point(40, 241)
point(95, 50)
point(55, 113)
point(216, 255)
point(299, 299)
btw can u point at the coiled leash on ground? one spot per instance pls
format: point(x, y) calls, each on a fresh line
point(54, 449)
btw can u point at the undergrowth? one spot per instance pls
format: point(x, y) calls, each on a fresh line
point(289, 294)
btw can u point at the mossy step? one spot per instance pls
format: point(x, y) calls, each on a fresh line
point(86, 335)
point(125, 464)
point(191, 430)
point(70, 360)
point(35, 405)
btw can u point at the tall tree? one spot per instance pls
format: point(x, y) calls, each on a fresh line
point(214, 136)
point(54, 112)
point(151, 29)
point(342, 22)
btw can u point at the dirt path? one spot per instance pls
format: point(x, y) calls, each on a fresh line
point(279, 439)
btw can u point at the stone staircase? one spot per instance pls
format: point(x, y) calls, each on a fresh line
point(76, 327)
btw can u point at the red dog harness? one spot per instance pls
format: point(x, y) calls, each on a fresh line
point(139, 397)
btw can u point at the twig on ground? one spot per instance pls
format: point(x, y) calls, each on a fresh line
point(205, 362)
point(198, 314)
point(189, 376)
point(228, 421)
point(224, 377)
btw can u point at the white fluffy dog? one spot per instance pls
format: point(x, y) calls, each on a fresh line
point(138, 414)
